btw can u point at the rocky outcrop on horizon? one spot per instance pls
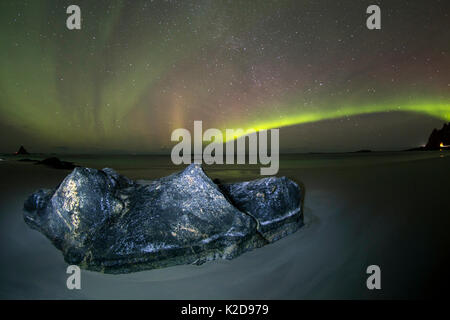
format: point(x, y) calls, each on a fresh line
point(439, 137)
point(105, 222)
point(21, 150)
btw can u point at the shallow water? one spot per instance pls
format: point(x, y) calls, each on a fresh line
point(389, 209)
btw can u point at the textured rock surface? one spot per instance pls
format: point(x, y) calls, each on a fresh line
point(275, 203)
point(105, 222)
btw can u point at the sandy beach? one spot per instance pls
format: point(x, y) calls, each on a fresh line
point(389, 209)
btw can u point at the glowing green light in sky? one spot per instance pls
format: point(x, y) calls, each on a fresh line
point(438, 110)
point(137, 70)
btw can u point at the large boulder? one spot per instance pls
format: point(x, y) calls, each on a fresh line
point(106, 222)
point(275, 203)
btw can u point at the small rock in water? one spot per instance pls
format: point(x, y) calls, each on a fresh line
point(21, 151)
point(55, 163)
point(105, 222)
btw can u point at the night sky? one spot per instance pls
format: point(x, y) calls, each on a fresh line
point(137, 70)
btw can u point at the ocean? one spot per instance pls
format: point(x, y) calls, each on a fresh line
point(389, 209)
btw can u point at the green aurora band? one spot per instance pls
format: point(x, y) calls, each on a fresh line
point(138, 70)
point(437, 110)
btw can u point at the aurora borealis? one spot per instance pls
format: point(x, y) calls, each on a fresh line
point(139, 69)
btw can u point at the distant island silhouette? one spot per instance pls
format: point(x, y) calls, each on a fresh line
point(439, 139)
point(21, 150)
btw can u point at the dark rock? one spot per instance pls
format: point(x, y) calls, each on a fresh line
point(439, 137)
point(28, 160)
point(21, 151)
point(105, 222)
point(275, 203)
point(55, 163)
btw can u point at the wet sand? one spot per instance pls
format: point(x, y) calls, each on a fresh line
point(389, 209)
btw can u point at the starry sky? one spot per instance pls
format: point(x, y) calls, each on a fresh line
point(137, 70)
